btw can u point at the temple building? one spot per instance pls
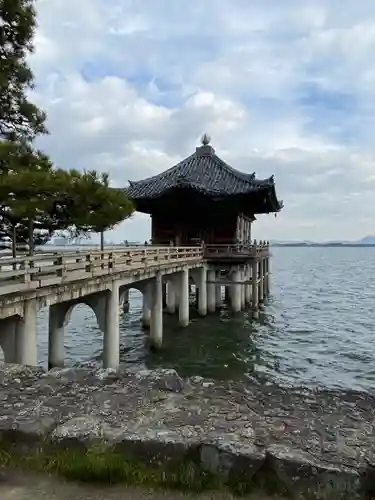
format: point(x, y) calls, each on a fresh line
point(203, 199)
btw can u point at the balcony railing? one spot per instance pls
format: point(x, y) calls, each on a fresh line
point(237, 250)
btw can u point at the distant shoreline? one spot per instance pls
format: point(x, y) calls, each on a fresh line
point(333, 245)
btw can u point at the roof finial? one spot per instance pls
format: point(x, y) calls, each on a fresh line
point(205, 139)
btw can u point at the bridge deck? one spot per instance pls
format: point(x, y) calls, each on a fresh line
point(56, 268)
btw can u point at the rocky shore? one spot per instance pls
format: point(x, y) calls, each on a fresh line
point(308, 445)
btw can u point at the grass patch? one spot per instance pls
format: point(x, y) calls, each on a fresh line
point(101, 464)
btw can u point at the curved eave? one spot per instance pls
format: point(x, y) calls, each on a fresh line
point(266, 200)
point(275, 203)
point(252, 196)
point(178, 186)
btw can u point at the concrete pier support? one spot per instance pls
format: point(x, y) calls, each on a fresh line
point(243, 278)
point(261, 281)
point(254, 287)
point(211, 295)
point(146, 306)
point(248, 286)
point(202, 291)
point(125, 300)
point(164, 295)
point(218, 299)
point(171, 296)
point(156, 330)
point(111, 341)
point(56, 323)
point(8, 337)
point(25, 337)
point(268, 276)
point(236, 299)
point(183, 310)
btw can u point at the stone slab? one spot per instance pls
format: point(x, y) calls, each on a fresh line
point(317, 444)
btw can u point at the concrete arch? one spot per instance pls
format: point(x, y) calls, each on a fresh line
point(8, 331)
point(124, 294)
point(59, 317)
point(60, 313)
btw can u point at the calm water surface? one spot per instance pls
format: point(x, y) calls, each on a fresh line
point(317, 329)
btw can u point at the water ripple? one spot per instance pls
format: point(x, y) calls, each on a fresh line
point(317, 328)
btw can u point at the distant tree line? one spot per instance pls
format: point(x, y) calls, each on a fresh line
point(38, 199)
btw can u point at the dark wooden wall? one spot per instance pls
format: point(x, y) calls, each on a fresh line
point(211, 227)
point(186, 217)
point(244, 228)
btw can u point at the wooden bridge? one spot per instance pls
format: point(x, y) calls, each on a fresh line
point(102, 280)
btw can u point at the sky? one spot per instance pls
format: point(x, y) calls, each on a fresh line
point(282, 87)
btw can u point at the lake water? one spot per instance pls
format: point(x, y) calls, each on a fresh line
point(317, 328)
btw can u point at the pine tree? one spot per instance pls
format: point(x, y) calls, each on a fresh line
point(19, 118)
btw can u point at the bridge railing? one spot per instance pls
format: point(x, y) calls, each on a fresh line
point(238, 250)
point(52, 269)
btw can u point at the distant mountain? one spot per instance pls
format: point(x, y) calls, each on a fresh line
point(367, 240)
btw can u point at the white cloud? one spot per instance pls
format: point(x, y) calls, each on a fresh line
point(282, 87)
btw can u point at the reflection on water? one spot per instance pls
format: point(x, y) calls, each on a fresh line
point(316, 329)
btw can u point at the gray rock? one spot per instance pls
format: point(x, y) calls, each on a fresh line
point(172, 383)
point(159, 446)
point(318, 444)
point(81, 430)
point(231, 459)
point(305, 476)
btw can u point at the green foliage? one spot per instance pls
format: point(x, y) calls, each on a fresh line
point(96, 207)
point(19, 118)
point(37, 199)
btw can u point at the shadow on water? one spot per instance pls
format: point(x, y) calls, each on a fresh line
point(219, 346)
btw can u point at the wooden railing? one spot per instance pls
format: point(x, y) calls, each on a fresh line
point(239, 250)
point(48, 269)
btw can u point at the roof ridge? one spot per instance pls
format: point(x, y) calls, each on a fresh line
point(162, 173)
point(219, 161)
point(242, 175)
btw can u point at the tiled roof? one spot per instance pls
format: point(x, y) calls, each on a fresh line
point(203, 171)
